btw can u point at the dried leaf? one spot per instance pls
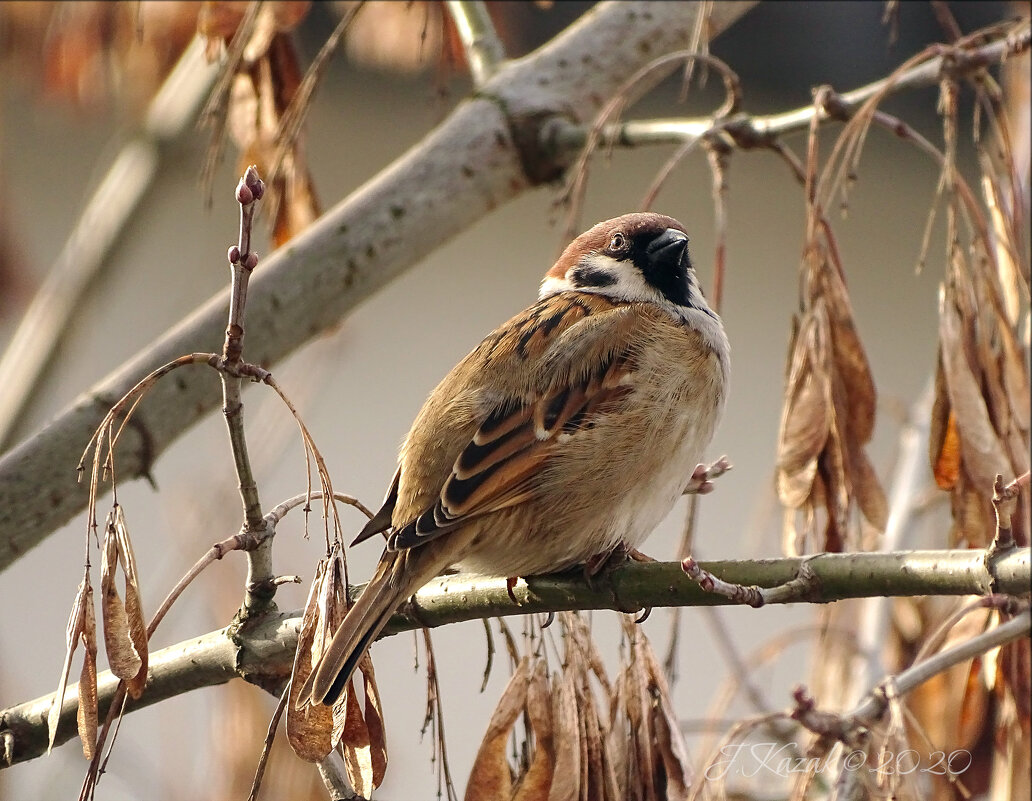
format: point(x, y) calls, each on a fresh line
point(340, 713)
point(943, 440)
point(973, 517)
point(537, 781)
point(354, 742)
point(1015, 673)
point(835, 496)
point(88, 714)
point(868, 490)
point(75, 627)
point(667, 731)
point(850, 361)
point(401, 37)
point(1009, 272)
point(805, 417)
point(566, 784)
point(374, 721)
point(125, 632)
point(122, 657)
point(219, 20)
point(595, 784)
point(617, 740)
point(980, 447)
point(308, 728)
point(491, 777)
point(578, 627)
point(1015, 383)
point(133, 605)
point(639, 719)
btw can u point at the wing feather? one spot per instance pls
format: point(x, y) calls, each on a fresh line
point(585, 349)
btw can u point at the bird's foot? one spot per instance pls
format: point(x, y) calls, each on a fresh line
point(701, 482)
point(510, 582)
point(608, 561)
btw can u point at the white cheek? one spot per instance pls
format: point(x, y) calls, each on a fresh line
point(628, 282)
point(553, 286)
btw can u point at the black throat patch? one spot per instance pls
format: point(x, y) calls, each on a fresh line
point(670, 280)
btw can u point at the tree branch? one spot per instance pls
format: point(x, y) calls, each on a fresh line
point(484, 154)
point(102, 220)
point(748, 131)
point(262, 651)
point(484, 50)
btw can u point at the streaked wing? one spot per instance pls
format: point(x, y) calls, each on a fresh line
point(588, 362)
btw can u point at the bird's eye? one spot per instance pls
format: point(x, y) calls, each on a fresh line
point(617, 242)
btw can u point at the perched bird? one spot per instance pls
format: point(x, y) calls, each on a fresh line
point(568, 432)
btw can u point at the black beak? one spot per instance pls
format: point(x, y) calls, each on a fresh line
point(666, 250)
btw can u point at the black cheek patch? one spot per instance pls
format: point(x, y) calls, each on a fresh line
point(591, 276)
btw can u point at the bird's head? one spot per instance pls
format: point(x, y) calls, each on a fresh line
point(636, 257)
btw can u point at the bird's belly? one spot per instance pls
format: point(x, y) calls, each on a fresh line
point(616, 486)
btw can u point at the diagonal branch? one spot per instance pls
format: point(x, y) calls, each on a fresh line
point(262, 651)
point(102, 220)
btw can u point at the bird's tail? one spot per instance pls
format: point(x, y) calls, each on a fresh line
point(393, 581)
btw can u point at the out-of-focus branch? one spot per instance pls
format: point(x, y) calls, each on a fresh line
point(873, 625)
point(485, 153)
point(848, 728)
point(750, 131)
point(484, 50)
point(263, 651)
point(102, 220)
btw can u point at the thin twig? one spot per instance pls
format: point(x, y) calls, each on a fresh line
point(754, 131)
point(874, 705)
point(484, 50)
point(1005, 499)
point(805, 585)
point(572, 193)
point(281, 510)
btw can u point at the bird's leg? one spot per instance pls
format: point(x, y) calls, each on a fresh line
point(610, 560)
point(604, 561)
point(510, 582)
point(701, 482)
point(621, 554)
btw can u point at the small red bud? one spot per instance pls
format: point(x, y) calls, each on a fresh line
point(244, 196)
point(258, 189)
point(251, 261)
point(234, 254)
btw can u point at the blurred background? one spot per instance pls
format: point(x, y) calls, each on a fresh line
point(74, 82)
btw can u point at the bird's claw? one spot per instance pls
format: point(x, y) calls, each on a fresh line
point(510, 582)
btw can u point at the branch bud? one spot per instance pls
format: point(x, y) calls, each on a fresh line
point(244, 196)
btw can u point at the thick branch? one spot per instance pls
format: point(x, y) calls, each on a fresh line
point(264, 651)
point(485, 153)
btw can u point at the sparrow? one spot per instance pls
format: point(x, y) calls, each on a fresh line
point(568, 432)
